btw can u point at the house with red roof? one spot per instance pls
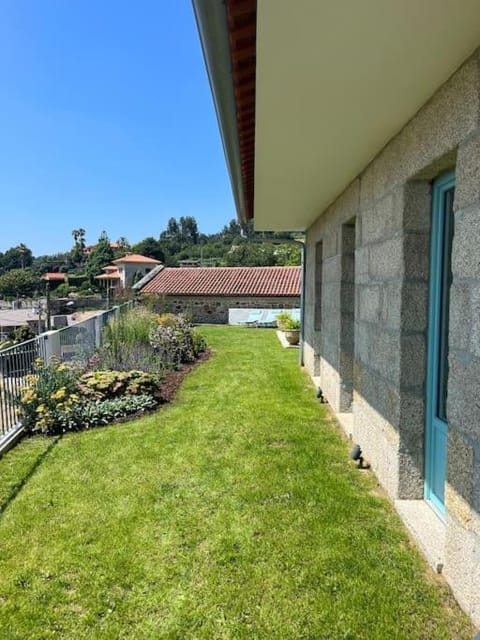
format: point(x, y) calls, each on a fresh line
point(54, 277)
point(207, 293)
point(124, 272)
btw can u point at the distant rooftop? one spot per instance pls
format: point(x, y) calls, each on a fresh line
point(226, 281)
point(54, 276)
point(135, 257)
point(90, 248)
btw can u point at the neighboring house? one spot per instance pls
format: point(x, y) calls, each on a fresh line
point(110, 279)
point(361, 128)
point(12, 319)
point(88, 250)
point(126, 271)
point(208, 293)
point(55, 277)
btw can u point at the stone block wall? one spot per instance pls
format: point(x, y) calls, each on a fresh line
point(391, 204)
point(463, 400)
point(214, 309)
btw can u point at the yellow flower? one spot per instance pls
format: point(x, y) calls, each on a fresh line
point(58, 395)
point(40, 408)
point(62, 367)
point(28, 396)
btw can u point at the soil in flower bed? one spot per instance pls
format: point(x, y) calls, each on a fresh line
point(173, 379)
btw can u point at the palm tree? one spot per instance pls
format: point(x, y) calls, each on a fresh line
point(22, 250)
point(78, 249)
point(81, 237)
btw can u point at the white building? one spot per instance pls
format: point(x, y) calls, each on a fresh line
point(124, 272)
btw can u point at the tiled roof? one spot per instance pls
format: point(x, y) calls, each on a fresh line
point(111, 273)
point(226, 281)
point(136, 257)
point(53, 276)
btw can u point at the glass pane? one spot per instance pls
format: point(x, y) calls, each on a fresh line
point(446, 281)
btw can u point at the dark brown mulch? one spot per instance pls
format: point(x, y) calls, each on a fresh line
point(172, 381)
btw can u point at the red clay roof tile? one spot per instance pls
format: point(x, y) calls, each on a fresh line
point(226, 281)
point(54, 276)
point(135, 257)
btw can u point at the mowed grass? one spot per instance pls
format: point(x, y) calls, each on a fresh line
point(232, 513)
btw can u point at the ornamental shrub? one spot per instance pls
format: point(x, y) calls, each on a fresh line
point(167, 320)
point(48, 399)
point(94, 413)
point(56, 394)
point(132, 327)
point(127, 342)
point(175, 341)
point(104, 385)
point(130, 356)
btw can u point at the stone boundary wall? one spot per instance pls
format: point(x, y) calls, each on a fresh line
point(59, 305)
point(214, 309)
point(389, 204)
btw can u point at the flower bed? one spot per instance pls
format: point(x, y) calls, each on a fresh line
point(61, 397)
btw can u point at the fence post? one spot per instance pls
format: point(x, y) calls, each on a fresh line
point(52, 345)
point(98, 330)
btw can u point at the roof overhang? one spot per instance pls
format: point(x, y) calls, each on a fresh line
point(227, 30)
point(108, 276)
point(335, 81)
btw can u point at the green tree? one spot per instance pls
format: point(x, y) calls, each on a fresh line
point(170, 242)
point(77, 253)
point(189, 229)
point(172, 232)
point(123, 244)
point(102, 254)
point(251, 255)
point(288, 255)
point(231, 231)
point(150, 248)
point(19, 282)
point(59, 262)
point(173, 229)
point(18, 257)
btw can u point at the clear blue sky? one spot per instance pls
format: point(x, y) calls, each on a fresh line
point(106, 122)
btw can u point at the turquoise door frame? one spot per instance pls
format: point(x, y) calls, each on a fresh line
point(437, 355)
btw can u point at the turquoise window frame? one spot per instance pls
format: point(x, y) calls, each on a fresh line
point(435, 447)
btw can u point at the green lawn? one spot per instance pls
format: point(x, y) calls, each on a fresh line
point(232, 513)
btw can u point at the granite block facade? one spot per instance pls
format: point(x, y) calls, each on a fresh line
point(366, 313)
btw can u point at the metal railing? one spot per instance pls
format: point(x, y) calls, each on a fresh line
point(76, 342)
point(79, 340)
point(16, 363)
